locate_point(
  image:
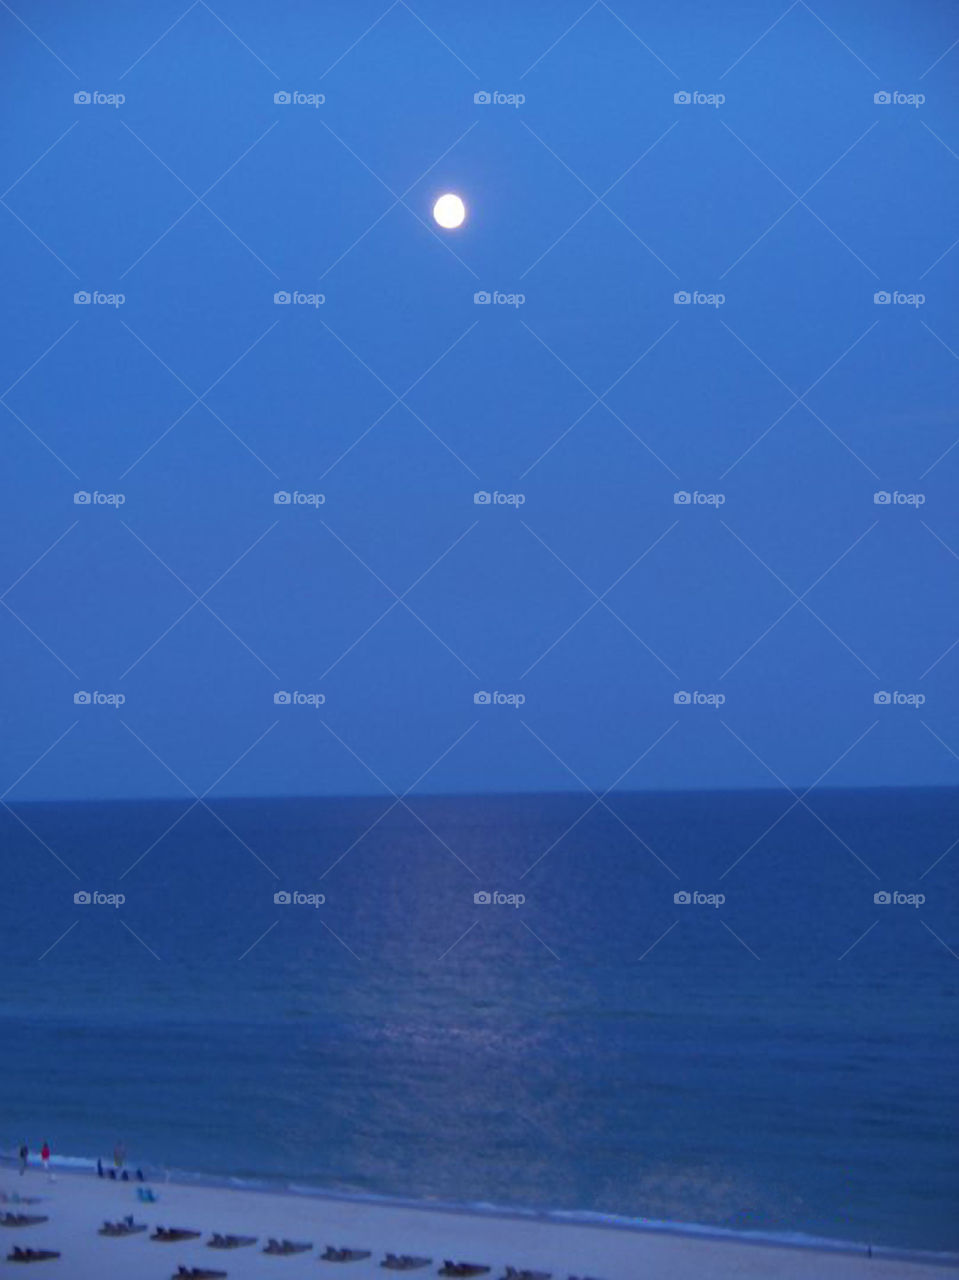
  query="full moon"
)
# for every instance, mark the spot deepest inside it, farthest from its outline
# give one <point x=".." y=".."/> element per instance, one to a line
<point x="449" y="211"/>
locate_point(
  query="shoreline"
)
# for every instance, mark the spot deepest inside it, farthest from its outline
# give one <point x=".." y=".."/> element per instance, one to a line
<point x="221" y="1189"/>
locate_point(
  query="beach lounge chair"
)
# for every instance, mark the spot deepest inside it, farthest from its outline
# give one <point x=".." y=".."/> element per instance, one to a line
<point x="344" y="1255"/>
<point x="462" y="1269"/>
<point x="197" y="1273"/>
<point x="513" y="1274"/>
<point x="219" y="1241"/>
<point x="116" y="1230"/>
<point x="21" y="1219"/>
<point x="283" y="1248"/>
<point x="405" y="1262"/>
<point x="174" y="1235"/>
<point x="31" y="1255"/>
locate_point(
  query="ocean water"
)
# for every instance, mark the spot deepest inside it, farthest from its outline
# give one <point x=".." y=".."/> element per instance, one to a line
<point x="783" y="1061"/>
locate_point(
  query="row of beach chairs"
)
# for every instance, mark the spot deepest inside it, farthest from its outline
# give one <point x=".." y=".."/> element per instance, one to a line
<point x="276" y="1248"/>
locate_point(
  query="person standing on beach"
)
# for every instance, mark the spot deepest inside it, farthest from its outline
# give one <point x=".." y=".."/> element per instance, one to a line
<point x="24" y="1152"/>
<point x="45" y="1155"/>
<point x="119" y="1155"/>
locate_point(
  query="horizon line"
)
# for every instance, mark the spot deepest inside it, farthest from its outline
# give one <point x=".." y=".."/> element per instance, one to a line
<point x="500" y="795"/>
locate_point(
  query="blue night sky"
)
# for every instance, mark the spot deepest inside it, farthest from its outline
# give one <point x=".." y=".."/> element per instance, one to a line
<point x="783" y="387"/>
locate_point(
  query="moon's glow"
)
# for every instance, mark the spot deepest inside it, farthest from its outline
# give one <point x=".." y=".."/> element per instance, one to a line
<point x="449" y="211"/>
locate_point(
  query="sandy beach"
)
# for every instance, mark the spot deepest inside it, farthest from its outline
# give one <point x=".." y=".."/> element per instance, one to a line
<point x="77" y="1205"/>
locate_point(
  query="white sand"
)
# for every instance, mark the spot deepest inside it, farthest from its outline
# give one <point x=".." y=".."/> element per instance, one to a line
<point x="77" y="1205"/>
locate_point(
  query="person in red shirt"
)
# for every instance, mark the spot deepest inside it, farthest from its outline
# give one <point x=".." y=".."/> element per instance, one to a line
<point x="45" y="1155"/>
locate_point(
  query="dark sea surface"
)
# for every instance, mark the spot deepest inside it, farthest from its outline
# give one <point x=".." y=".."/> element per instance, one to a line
<point x="784" y="1062"/>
